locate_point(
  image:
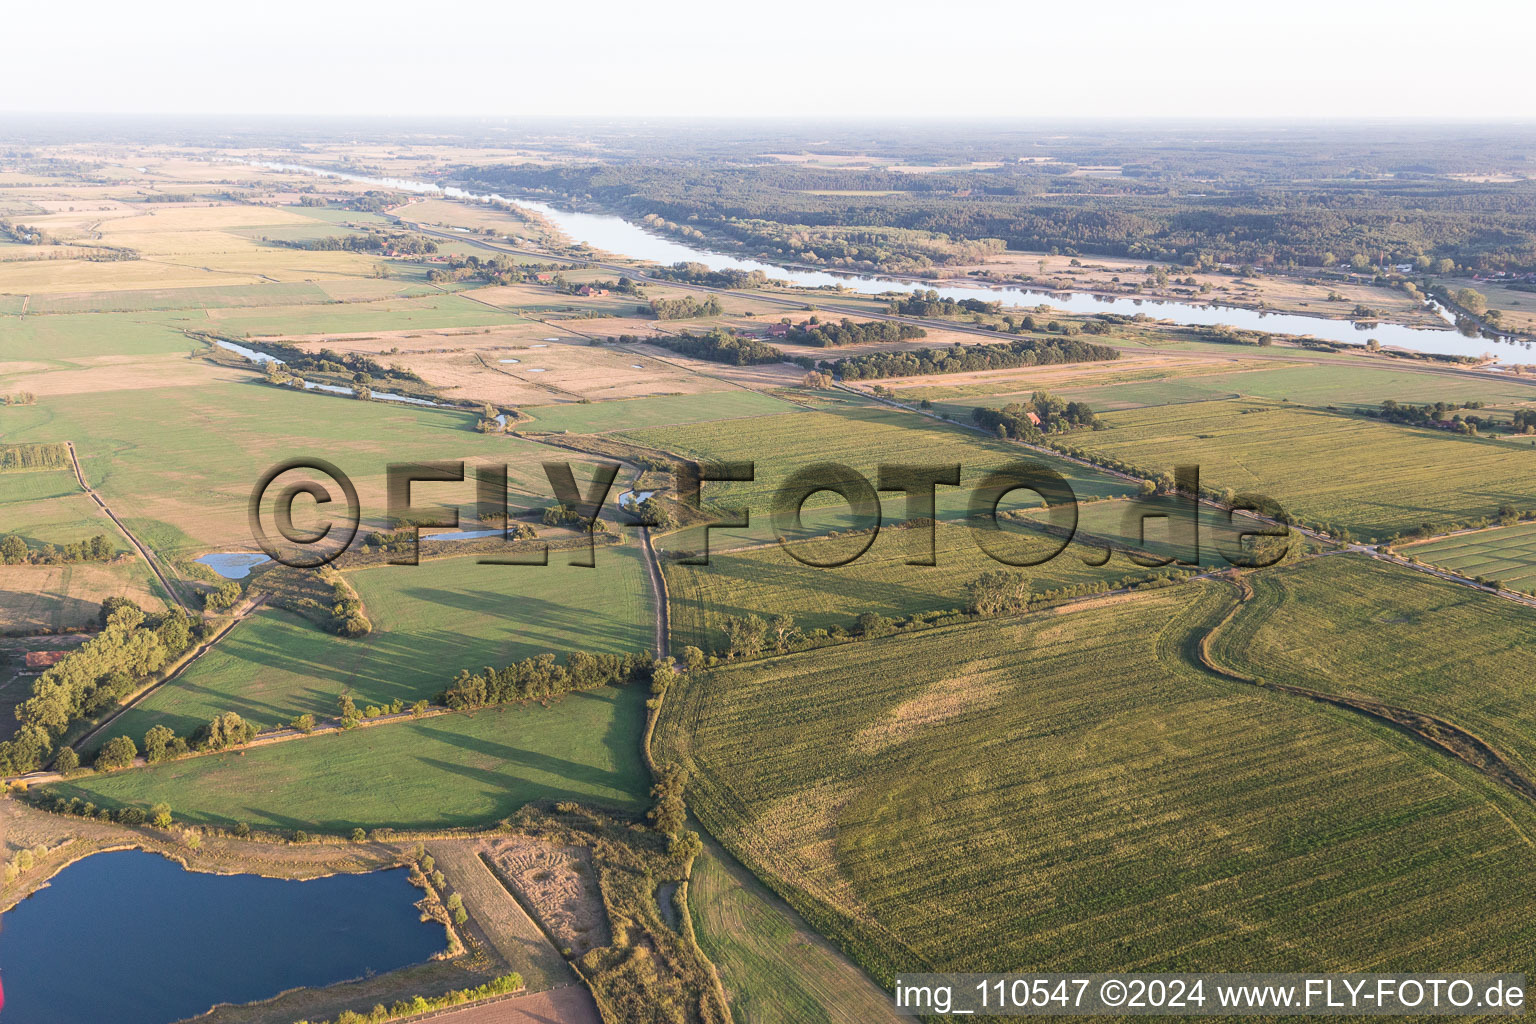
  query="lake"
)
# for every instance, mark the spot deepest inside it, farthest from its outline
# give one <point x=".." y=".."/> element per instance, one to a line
<point x="133" y="938"/>
<point x="621" y="237"/>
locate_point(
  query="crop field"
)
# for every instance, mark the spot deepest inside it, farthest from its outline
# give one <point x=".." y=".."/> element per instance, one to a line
<point x="773" y="967"/>
<point x="442" y="772"/>
<point x="430" y="620"/>
<point x="1158" y="817"/>
<point x="530" y="364"/>
<point x="1506" y="554"/>
<point x="1377" y="479"/>
<point x="765" y="580"/>
<point x="1302" y="383"/>
<point x="859" y="435"/>
<point x="1358" y="627"/>
<point x="52" y="598"/>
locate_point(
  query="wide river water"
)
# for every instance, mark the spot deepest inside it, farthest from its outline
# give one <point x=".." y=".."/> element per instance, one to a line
<point x="621" y="237"/>
<point x="132" y="938"/>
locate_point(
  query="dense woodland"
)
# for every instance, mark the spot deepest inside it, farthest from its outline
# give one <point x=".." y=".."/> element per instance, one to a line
<point x="1308" y="199"/>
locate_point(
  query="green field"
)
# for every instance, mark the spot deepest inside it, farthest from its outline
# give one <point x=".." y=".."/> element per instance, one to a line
<point x="863" y="436"/>
<point x="1506" y="554"/>
<point x="179" y="463"/>
<point x="179" y="298"/>
<point x="1355" y="626"/>
<point x="774" y="968"/>
<point x="1068" y="792"/>
<point x="35" y="485"/>
<point x="767" y="581"/>
<point x="454" y="771"/>
<point x="1377" y="479"/>
<point x="632" y="413"/>
<point x="433" y="311"/>
<point x="59" y="339"/>
<point x="430" y="620"/>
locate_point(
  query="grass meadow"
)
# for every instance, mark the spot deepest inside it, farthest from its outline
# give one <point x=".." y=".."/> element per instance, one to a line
<point x="179" y="462"/>
<point x="430" y="620"/>
<point x="990" y="796"/>
<point x="443" y="772"/>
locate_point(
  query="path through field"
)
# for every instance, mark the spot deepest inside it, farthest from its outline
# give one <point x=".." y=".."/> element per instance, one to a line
<point x="144" y="553"/>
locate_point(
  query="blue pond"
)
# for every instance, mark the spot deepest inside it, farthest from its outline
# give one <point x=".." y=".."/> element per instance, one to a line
<point x="133" y="938"/>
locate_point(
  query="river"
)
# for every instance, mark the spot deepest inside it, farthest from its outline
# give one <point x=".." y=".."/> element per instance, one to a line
<point x="618" y="236"/>
<point x="133" y="938"/>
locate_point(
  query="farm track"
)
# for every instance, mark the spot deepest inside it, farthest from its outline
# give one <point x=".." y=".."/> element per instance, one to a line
<point x="144" y="553"/>
<point x="1436" y="732"/>
<point x="203" y="649"/>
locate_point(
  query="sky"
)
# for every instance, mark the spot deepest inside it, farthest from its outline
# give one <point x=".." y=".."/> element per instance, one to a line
<point x="1022" y="59"/>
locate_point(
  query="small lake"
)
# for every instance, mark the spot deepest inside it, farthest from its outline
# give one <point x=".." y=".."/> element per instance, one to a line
<point x="132" y="938"/>
<point x="629" y="498"/>
<point x="616" y="235"/>
<point x="233" y="565"/>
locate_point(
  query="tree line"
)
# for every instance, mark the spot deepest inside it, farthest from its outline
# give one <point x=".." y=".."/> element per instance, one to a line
<point x="685" y="307"/>
<point x="721" y="346"/>
<point x="542" y="676"/>
<point x="14" y="551"/>
<point x="846" y="332"/>
<point x="97" y="675"/>
<point x="968" y="358"/>
<point x="36" y="455"/>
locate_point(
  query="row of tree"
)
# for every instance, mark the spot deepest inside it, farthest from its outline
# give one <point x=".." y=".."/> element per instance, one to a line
<point x="14" y="551"/>
<point x="542" y="676"/>
<point x="847" y="332"/>
<point x="685" y="307"/>
<point x="721" y="346"/>
<point x="969" y="358"/>
<point x="95" y="676"/>
<point x="37" y="455"/>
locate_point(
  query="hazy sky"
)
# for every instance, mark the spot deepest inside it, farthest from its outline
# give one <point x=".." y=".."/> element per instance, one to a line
<point x="1016" y="59"/>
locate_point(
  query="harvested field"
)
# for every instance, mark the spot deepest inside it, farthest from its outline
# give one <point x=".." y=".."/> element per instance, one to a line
<point x="560" y="886"/>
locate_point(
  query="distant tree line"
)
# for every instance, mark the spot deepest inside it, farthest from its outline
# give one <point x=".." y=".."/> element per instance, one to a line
<point x="14" y="551"/>
<point x="969" y="358"/>
<point x="721" y="346"/>
<point x="411" y="245"/>
<point x="685" y="307"/>
<point x="846" y="332"/>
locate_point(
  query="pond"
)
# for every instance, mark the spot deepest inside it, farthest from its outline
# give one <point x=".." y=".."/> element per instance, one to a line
<point x="616" y="235"/>
<point x="133" y="938"/>
<point x="233" y="565"/>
